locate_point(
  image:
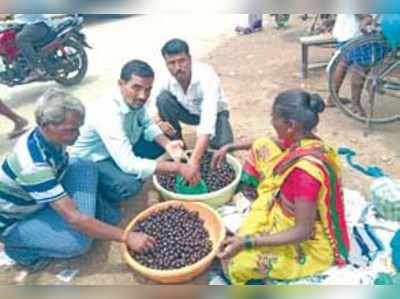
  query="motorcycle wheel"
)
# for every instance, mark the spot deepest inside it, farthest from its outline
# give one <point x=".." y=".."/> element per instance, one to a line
<point x="73" y="64"/>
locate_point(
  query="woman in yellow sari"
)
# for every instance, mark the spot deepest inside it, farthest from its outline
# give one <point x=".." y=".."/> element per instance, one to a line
<point x="296" y="227"/>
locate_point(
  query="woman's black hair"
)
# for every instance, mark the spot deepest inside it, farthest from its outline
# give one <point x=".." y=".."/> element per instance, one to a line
<point x="300" y="106"/>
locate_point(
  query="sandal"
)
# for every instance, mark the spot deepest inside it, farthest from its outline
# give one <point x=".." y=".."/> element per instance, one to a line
<point x="358" y="110"/>
<point x="331" y="104"/>
<point x="23" y="271"/>
<point x="40" y="265"/>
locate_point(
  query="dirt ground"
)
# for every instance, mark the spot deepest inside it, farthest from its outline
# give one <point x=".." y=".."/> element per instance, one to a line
<point x="253" y="69"/>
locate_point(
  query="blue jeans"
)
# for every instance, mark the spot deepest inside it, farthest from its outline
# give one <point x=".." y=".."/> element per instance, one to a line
<point x="46" y="234"/>
<point x="117" y="186"/>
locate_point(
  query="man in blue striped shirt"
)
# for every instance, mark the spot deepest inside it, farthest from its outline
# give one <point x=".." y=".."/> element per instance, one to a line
<point x="49" y="204"/>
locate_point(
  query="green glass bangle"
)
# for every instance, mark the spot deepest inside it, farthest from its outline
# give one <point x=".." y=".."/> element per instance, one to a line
<point x="248" y="242"/>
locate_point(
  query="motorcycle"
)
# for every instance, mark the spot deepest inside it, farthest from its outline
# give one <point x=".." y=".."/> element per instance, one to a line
<point x="62" y="54"/>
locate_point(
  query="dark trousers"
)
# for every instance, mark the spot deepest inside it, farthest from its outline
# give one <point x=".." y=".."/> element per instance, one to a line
<point x="117" y="186"/>
<point x="172" y="111"/>
<point x="27" y="37"/>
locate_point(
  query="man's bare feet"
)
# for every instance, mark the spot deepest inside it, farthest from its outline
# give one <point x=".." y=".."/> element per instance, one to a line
<point x="358" y="109"/>
<point x="20" y="126"/>
<point x="331" y="103"/>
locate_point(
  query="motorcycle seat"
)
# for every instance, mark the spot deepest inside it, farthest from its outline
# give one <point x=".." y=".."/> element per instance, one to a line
<point x="64" y="23"/>
<point x="58" y="28"/>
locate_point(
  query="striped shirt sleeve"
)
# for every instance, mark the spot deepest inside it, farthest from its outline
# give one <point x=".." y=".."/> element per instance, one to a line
<point x="41" y="184"/>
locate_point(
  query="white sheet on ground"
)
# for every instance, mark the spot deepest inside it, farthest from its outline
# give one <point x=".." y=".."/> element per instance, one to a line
<point x="358" y="212"/>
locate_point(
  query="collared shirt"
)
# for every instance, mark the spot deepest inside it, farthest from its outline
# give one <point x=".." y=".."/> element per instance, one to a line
<point x="30" y="178"/>
<point x="111" y="130"/>
<point x="28" y="19"/>
<point x="346" y="27"/>
<point x="204" y="96"/>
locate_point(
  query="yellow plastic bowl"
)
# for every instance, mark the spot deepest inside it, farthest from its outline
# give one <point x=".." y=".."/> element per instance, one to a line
<point x="214" y="199"/>
<point x="212" y="223"/>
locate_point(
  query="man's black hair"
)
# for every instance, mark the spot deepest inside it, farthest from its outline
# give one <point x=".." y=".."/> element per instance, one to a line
<point x="138" y="68"/>
<point x="175" y="46"/>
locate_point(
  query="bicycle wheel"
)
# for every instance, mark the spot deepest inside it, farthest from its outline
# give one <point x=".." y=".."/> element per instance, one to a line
<point x="359" y="72"/>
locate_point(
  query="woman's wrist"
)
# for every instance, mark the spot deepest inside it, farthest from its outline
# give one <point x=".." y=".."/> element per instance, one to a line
<point x="178" y="168"/>
<point x="229" y="147"/>
<point x="256" y="241"/>
<point x="262" y="240"/>
<point x="248" y="242"/>
<point x="124" y="237"/>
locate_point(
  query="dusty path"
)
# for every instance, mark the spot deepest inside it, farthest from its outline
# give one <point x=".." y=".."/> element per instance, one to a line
<point x="253" y="69"/>
<point x="263" y="64"/>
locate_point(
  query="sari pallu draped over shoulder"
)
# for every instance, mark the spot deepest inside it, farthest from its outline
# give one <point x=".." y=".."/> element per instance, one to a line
<point x="268" y="165"/>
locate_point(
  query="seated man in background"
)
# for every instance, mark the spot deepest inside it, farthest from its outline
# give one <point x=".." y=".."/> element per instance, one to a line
<point x="191" y="93"/>
<point x="348" y="27"/>
<point x="36" y="27"/>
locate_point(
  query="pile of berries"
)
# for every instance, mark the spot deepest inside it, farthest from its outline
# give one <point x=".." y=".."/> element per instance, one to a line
<point x="181" y="239"/>
<point x="215" y="179"/>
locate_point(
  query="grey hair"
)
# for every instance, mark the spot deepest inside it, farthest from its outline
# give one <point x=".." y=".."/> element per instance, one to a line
<point x="53" y="105"/>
